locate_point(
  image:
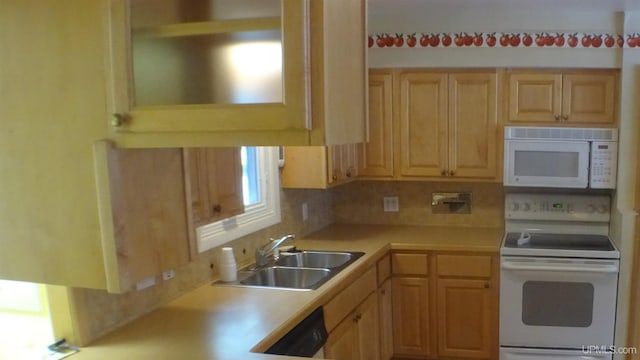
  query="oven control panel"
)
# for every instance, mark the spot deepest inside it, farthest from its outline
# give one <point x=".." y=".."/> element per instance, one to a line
<point x="557" y="207"/>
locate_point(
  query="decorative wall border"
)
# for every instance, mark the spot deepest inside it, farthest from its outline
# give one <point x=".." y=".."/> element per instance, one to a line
<point x="505" y="40"/>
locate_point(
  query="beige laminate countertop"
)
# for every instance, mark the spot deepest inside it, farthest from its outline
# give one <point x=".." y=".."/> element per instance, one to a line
<point x="228" y="322"/>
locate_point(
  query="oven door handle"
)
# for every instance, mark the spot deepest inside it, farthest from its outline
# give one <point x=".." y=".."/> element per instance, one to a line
<point x="594" y="268"/>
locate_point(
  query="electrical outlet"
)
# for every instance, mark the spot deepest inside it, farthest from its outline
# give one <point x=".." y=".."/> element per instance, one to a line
<point x="168" y="275"/>
<point x="305" y="212"/>
<point x="391" y="204"/>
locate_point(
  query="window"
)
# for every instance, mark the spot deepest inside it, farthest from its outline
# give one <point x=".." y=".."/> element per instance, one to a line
<point x="261" y="192"/>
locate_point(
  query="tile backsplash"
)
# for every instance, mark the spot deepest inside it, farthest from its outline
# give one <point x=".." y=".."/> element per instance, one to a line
<point x="101" y="312"/>
<point x="362" y="203"/>
<point x="358" y="203"/>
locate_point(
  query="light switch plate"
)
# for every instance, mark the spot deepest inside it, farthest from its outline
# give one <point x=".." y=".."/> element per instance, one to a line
<point x="391" y="204"/>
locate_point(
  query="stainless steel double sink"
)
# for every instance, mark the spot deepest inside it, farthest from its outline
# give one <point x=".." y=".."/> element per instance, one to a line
<point x="303" y="270"/>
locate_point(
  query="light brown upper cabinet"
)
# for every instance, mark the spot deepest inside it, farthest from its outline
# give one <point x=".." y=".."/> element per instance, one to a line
<point x="580" y="98"/>
<point x="237" y="72"/>
<point x="448" y="125"/>
<point x="376" y="156"/>
<point x="215" y="183"/>
<point x="319" y="167"/>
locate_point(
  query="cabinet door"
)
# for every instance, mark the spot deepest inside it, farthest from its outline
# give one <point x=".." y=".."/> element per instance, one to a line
<point x="465" y="318"/>
<point x="349" y="157"/>
<point x="344" y="341"/>
<point x="225" y="65"/>
<point x="215" y="178"/>
<point x="377" y="153"/>
<point x="148" y="210"/>
<point x="334" y="164"/>
<point x="423" y="124"/>
<point x="411" y="305"/>
<point x="535" y="98"/>
<point x="473" y="125"/>
<point x="385" y="305"/>
<point x="589" y="99"/>
<point x="369" y="329"/>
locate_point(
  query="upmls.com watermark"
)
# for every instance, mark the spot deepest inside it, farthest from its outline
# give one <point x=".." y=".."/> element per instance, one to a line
<point x="608" y="349"/>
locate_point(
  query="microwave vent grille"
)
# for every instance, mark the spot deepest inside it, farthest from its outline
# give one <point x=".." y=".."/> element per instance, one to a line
<point x="542" y="133"/>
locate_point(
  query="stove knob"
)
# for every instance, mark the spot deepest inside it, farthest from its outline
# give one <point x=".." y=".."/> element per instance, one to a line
<point x="526" y="207"/>
<point x="590" y="209"/>
<point x="602" y="209"/>
<point x="514" y="207"/>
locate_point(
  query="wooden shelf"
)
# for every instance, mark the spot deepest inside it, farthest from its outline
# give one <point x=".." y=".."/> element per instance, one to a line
<point x="208" y="27"/>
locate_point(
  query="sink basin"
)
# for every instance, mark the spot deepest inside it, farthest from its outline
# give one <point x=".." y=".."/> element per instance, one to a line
<point x="288" y="277"/>
<point x="318" y="259"/>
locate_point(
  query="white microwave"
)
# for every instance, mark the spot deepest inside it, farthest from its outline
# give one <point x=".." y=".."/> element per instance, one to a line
<point x="560" y="157"/>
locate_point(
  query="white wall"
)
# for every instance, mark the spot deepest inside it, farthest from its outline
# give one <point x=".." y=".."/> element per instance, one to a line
<point x="415" y="16"/>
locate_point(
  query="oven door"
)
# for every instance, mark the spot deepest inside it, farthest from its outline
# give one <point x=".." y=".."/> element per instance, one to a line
<point x="539" y="163"/>
<point x="557" y="303"/>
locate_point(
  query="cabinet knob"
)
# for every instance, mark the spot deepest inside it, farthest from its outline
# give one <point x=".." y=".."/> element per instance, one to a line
<point x="557" y="117"/>
<point x="216" y="208"/>
<point x="357" y="318"/>
<point x="334" y="177"/>
<point x="348" y="173"/>
<point x="565" y="117"/>
<point x="452" y="173"/>
<point x="118" y="119"/>
<point x="444" y="173"/>
<point x="383" y="291"/>
<point x="487" y="285"/>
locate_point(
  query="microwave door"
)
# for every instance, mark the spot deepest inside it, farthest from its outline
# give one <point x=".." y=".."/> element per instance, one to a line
<point x="546" y="163"/>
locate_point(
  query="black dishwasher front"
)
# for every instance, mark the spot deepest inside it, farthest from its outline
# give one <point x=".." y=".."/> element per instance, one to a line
<point x="305" y="339"/>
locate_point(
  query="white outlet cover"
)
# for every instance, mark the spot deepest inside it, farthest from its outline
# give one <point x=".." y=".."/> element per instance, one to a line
<point x="168" y="275"/>
<point x="391" y="204"/>
<point x="143" y="284"/>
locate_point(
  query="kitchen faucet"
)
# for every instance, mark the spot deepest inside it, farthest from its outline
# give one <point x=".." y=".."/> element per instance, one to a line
<point x="264" y="252"/>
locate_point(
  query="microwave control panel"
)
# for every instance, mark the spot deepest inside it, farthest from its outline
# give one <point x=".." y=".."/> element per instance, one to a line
<point x="557" y="207"/>
<point x="604" y="159"/>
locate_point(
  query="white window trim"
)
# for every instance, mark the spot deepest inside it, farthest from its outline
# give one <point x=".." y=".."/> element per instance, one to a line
<point x="255" y="217"/>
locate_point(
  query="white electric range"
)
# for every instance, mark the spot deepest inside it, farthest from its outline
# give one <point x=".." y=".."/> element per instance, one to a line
<point x="558" y="278"/>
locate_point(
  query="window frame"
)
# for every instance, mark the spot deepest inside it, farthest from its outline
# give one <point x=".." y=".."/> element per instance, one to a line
<point x="258" y="216"/>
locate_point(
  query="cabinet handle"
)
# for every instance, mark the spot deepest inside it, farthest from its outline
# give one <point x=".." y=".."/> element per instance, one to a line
<point x="452" y="173"/>
<point x="383" y="291"/>
<point x="444" y="173"/>
<point x="216" y="208"/>
<point x="118" y="119"/>
<point x="348" y="173"/>
<point x="357" y="318"/>
<point x="334" y="177"/>
<point x="486" y="285"/>
<point x="565" y="117"/>
<point x="557" y="117"/>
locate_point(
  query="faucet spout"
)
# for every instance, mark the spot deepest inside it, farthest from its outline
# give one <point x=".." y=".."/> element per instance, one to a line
<point x="265" y="252"/>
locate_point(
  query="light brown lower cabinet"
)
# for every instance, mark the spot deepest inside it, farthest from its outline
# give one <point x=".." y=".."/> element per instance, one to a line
<point x="385" y="304"/>
<point x="445" y="305"/>
<point x="356" y="337"/>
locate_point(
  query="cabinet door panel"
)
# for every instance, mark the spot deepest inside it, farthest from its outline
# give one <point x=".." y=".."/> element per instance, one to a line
<point x="465" y="318"/>
<point x="589" y="98"/>
<point x="199" y="192"/>
<point x="224" y="169"/>
<point x="535" y="98"/>
<point x="377" y="155"/>
<point x="344" y="342"/>
<point x="369" y="328"/>
<point x="411" y="305"/>
<point x="423" y="124"/>
<point x="473" y="125"/>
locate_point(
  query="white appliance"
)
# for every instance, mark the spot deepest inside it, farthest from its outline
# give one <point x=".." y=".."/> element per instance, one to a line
<point x="558" y="278"/>
<point x="560" y="157"/>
